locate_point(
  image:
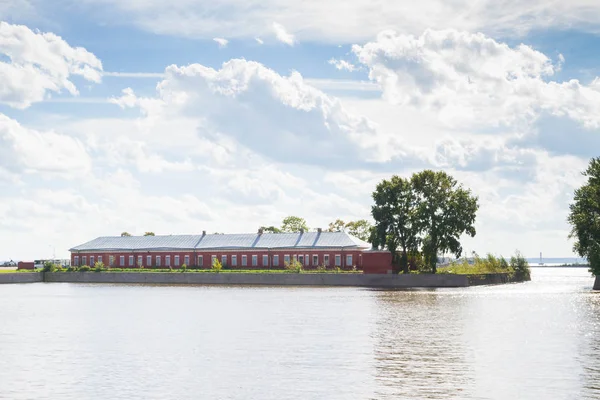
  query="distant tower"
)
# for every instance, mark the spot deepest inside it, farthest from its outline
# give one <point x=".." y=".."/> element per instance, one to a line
<point x="541" y="262"/>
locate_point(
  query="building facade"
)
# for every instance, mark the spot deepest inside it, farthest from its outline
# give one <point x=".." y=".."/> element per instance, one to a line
<point x="235" y="251"/>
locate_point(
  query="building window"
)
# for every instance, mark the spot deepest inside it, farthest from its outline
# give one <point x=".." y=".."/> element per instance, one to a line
<point x="326" y="260"/>
<point x="315" y="260"/>
<point x="140" y="261"/>
<point x="76" y="261"/>
<point x="254" y="260"/>
<point x="276" y="260"/>
<point x="186" y="260"/>
<point x="167" y="261"/>
<point x="286" y="259"/>
<point x="349" y="260"/>
<point x="200" y="261"/>
<point x="177" y="261"/>
<point x="99" y="259"/>
<point x="84" y="259"/>
<point x="91" y="260"/>
<point x="301" y="259"/>
<point x="158" y="261"/>
<point x="307" y="259"/>
<point x="224" y="260"/>
<point x="265" y="260"/>
<point x="212" y="260"/>
<point x="148" y="261"/>
<point x="131" y="261"/>
<point x="338" y="260"/>
<point x="111" y="261"/>
<point x="122" y="261"/>
<point x="244" y="260"/>
<point x="234" y="261"/>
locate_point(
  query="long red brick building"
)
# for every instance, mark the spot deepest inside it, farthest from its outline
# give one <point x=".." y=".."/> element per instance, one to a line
<point x="261" y="250"/>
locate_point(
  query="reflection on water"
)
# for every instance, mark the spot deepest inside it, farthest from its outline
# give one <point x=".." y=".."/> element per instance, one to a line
<point x="536" y="340"/>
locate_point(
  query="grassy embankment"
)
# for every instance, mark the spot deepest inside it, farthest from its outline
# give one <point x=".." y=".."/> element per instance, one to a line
<point x="516" y="266"/>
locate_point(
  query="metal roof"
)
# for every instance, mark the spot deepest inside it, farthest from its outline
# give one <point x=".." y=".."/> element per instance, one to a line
<point x="308" y="240"/>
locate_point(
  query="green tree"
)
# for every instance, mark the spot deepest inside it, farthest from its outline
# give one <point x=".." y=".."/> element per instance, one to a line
<point x="584" y="217"/>
<point x="216" y="265"/>
<point x="337" y="226"/>
<point x="149" y="234"/>
<point x="125" y="234"/>
<point x="294" y="224"/>
<point x="272" y="229"/>
<point x="445" y="211"/>
<point x="395" y="215"/>
<point x="360" y="229"/>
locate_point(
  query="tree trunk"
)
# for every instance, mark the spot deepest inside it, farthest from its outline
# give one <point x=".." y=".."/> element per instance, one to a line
<point x="405" y="261"/>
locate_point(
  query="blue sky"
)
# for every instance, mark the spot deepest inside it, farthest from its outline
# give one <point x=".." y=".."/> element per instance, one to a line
<point x="302" y="111"/>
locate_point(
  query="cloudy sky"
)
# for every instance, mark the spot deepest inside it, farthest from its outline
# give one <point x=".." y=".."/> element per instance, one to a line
<point x="188" y="115"/>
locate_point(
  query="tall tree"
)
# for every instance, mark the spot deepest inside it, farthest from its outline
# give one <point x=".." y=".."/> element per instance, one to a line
<point x="584" y="217"/>
<point x="294" y="224"/>
<point x="360" y="229"/>
<point x="125" y="234"/>
<point x="337" y="226"/>
<point x="395" y="215"/>
<point x="445" y="211"/>
<point x="272" y="229"/>
<point x="149" y="234"/>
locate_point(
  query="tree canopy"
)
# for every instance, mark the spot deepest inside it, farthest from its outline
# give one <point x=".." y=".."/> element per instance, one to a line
<point x="430" y="210"/>
<point x="125" y="234"/>
<point x="149" y="234"/>
<point x="361" y="229"/>
<point x="294" y="224"/>
<point x="272" y="229"/>
<point x="337" y="226"/>
<point x="584" y="217"/>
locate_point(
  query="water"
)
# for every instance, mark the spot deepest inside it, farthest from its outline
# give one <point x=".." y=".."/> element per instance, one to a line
<point x="537" y="340"/>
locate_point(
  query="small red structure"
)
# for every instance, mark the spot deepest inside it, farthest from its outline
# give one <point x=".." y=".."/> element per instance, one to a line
<point x="25" y="265"/>
<point x="376" y="262"/>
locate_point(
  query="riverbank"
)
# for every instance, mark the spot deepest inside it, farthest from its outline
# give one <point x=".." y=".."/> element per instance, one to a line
<point x="267" y="279"/>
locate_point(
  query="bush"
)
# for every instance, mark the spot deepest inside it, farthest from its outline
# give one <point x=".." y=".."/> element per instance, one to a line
<point x="321" y="268"/>
<point x="99" y="266"/>
<point x="520" y="265"/>
<point x="293" y="266"/>
<point x="216" y="265"/>
<point x="84" y="268"/>
<point x="73" y="268"/>
<point x="183" y="267"/>
<point x="51" y="267"/>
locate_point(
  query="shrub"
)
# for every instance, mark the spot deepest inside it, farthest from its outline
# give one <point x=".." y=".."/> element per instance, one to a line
<point x="216" y="265"/>
<point x="293" y="266"/>
<point x="51" y="267"/>
<point x="73" y="268"/>
<point x="99" y="266"/>
<point x="84" y="268"/>
<point x="183" y="267"/>
<point x="520" y="265"/>
<point x="321" y="268"/>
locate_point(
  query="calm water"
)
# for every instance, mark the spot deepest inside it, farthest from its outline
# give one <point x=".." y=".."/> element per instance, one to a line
<point x="538" y="340"/>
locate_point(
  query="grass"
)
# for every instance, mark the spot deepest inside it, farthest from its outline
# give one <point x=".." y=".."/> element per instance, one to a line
<point x="489" y="265"/>
<point x="14" y="271"/>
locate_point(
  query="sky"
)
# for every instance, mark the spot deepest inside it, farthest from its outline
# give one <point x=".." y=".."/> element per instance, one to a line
<point x="189" y="115"/>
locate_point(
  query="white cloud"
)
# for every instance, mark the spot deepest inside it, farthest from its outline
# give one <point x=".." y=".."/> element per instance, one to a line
<point x="221" y="42"/>
<point x="282" y="34"/>
<point x="40" y="63"/>
<point x="342" y="65"/>
<point x="259" y="40"/>
<point x="352" y="21"/>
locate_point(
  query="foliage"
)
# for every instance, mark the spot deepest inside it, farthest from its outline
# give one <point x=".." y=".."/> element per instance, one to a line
<point x="293" y="266"/>
<point x="99" y="266"/>
<point x="149" y="234"/>
<point x="517" y="267"/>
<point x="272" y="229"/>
<point x="337" y="226"/>
<point x="73" y="268"/>
<point x="361" y="229"/>
<point x="395" y="214"/>
<point x="84" y="268"/>
<point x="125" y="234"/>
<point x="520" y="265"/>
<point x="49" y="266"/>
<point x="584" y="217"/>
<point x="294" y="224"/>
<point x="216" y="265"/>
<point x="445" y="211"/>
<point x="183" y="267"/>
<point x="321" y="268"/>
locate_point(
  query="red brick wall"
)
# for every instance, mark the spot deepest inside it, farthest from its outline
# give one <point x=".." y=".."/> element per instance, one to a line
<point x="207" y="258"/>
<point x="377" y="262"/>
<point x="25" y="265"/>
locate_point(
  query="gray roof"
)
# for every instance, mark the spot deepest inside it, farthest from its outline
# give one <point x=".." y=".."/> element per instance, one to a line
<point x="307" y="240"/>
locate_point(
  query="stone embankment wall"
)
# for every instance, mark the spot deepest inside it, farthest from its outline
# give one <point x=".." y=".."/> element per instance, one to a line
<point x="22" y="277"/>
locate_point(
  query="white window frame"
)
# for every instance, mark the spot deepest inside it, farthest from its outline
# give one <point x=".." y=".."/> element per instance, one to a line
<point x="76" y="260"/>
<point x="224" y="260"/>
<point x="212" y="260"/>
<point x="349" y="259"/>
<point x="92" y="260"/>
<point x="301" y="259"/>
<point x="84" y="260"/>
<point x="167" y="261"/>
<point x="286" y="258"/>
<point x="338" y="256"/>
<point x="111" y="261"/>
<point x="131" y="261"/>
<point x="140" y="260"/>
<point x="121" y="261"/>
<point x="234" y="260"/>
<point x="200" y="261"/>
<point x="276" y="260"/>
<point x="265" y="257"/>
<point x="244" y="260"/>
<point x="176" y="262"/>
<point x="158" y="261"/>
<point x="307" y="259"/>
<point x="186" y="260"/>
<point x="315" y="260"/>
<point x="99" y="259"/>
<point x="255" y="260"/>
<point x="148" y="261"/>
<point x="326" y="260"/>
